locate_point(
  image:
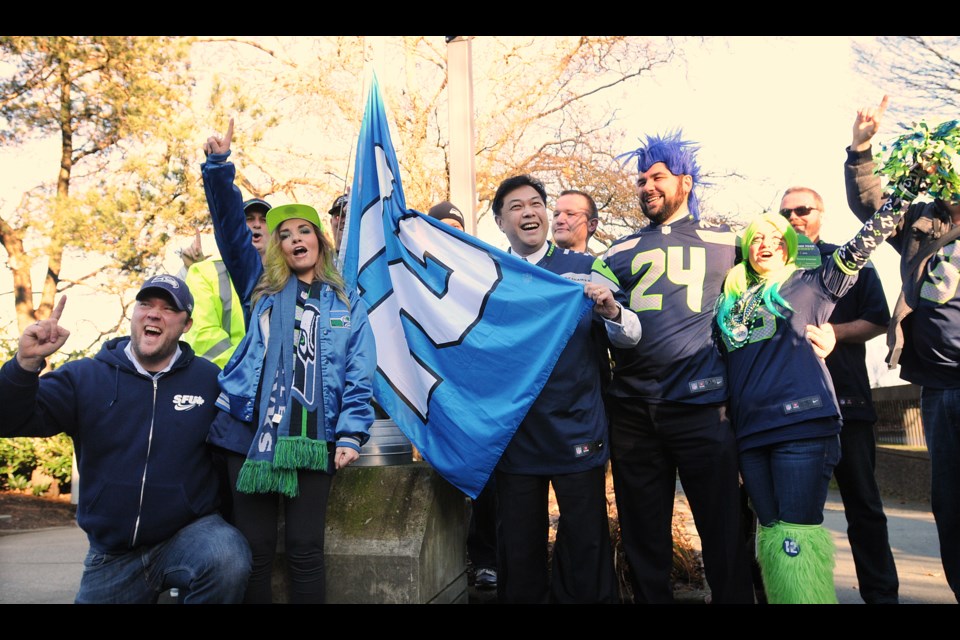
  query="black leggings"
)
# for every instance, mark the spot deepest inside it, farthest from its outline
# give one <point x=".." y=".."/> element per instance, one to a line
<point x="305" y="519"/>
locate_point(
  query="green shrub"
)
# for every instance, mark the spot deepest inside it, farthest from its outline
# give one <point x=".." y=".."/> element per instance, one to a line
<point x="55" y="458"/>
<point x="17" y="483"/>
<point x="20" y="456"/>
<point x="40" y="489"/>
<point x="17" y="457"/>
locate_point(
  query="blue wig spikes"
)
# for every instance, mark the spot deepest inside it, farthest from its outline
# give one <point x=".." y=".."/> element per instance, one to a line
<point x="679" y="155"/>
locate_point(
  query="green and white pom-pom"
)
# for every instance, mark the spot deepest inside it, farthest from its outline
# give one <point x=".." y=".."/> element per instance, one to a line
<point x="936" y="147"/>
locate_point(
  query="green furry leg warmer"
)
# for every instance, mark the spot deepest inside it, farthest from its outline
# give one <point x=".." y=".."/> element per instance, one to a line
<point x="797" y="563"/>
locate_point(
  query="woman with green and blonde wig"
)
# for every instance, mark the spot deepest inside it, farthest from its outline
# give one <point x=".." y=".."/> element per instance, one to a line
<point x="743" y="276"/>
<point x="296" y="396"/>
<point x="783" y="406"/>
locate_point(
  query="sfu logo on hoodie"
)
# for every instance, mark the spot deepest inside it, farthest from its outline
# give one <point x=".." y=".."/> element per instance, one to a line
<point x="184" y="402"/>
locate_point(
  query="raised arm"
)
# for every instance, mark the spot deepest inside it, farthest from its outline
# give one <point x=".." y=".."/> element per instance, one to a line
<point x="853" y="256"/>
<point x="23" y="413"/>
<point x="229" y="222"/>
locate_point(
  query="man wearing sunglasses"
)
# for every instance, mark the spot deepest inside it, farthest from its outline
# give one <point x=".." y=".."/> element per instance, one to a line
<point x="860" y="315"/>
<point x="338" y="217"/>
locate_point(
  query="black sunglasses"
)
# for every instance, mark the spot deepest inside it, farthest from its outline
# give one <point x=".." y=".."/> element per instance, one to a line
<point x="800" y="211"/>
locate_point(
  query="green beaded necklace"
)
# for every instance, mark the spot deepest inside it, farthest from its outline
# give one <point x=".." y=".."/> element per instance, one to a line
<point x="740" y="319"/>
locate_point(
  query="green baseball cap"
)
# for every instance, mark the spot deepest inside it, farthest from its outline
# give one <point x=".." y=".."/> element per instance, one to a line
<point x="278" y="215"/>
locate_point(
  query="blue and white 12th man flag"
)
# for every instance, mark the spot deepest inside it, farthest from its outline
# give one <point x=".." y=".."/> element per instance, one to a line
<point x="466" y="334"/>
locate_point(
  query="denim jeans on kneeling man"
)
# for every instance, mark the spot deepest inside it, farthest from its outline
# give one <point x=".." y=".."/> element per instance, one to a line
<point x="208" y="561"/>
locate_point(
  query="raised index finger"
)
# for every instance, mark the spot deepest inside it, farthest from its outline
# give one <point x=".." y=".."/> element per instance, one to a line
<point x="882" y="107"/>
<point x="58" y="310"/>
<point x="228" y="136"/>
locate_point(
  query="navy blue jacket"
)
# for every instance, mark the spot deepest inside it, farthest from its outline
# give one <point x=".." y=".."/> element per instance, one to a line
<point x="779" y="389"/>
<point x="565" y="430"/>
<point x="145" y="467"/>
<point x="847" y="362"/>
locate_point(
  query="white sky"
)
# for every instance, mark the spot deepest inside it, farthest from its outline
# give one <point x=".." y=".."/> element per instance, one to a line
<point x="777" y="111"/>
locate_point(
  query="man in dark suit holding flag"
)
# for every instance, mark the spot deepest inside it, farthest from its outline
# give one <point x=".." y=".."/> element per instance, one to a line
<point x="563" y="438"/>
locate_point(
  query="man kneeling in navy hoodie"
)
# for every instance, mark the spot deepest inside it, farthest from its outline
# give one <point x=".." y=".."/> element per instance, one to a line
<point x="138" y="414"/>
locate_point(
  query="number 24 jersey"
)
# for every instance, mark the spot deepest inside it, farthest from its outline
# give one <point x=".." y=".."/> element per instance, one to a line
<point x="672" y="275"/>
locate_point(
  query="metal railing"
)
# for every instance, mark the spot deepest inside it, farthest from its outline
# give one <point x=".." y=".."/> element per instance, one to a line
<point x="898" y="415"/>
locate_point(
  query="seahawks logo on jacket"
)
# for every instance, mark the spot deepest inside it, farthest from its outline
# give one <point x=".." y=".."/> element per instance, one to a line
<point x="342" y="322"/>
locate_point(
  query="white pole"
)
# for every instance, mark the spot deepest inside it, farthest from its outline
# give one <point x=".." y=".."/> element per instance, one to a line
<point x="463" y="179"/>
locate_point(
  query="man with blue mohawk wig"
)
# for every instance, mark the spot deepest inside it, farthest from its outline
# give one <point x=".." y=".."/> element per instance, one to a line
<point x="668" y="396"/>
<point x="678" y="157"/>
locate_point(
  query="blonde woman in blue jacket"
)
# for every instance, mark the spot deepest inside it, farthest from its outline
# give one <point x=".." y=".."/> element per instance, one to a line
<point x="296" y="395"/>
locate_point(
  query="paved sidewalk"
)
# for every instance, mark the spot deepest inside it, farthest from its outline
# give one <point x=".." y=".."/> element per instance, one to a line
<point x="915" y="546"/>
<point x="44" y="566"/>
<point x="41" y="566"/>
<point x="913" y="539"/>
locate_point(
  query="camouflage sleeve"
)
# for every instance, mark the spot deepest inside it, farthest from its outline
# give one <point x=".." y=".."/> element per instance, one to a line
<point x="854" y="255"/>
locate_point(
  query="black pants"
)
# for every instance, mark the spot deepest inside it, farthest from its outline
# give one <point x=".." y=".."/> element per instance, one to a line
<point x="650" y="445"/>
<point x="582" y="569"/>
<point x="482" y="531"/>
<point x="863" y="507"/>
<point x="255" y="515"/>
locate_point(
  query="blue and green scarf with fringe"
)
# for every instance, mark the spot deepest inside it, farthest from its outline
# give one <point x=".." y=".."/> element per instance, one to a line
<point x="291" y="435"/>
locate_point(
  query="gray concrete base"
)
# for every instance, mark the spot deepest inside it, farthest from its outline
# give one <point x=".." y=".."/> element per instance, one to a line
<point x="903" y="473"/>
<point x="395" y="535"/>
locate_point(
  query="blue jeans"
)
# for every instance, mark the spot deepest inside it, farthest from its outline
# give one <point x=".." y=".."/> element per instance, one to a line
<point x="788" y="481"/>
<point x="941" y="427"/>
<point x="208" y="560"/>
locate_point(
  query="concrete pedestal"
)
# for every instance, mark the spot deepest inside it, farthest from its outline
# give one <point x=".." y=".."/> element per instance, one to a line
<point x="395" y="535"/>
<point x="903" y="473"/>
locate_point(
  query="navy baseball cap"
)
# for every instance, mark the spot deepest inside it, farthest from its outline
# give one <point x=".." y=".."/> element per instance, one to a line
<point x="339" y="206"/>
<point x="256" y="203"/>
<point x="173" y="286"/>
<point x="446" y="210"/>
